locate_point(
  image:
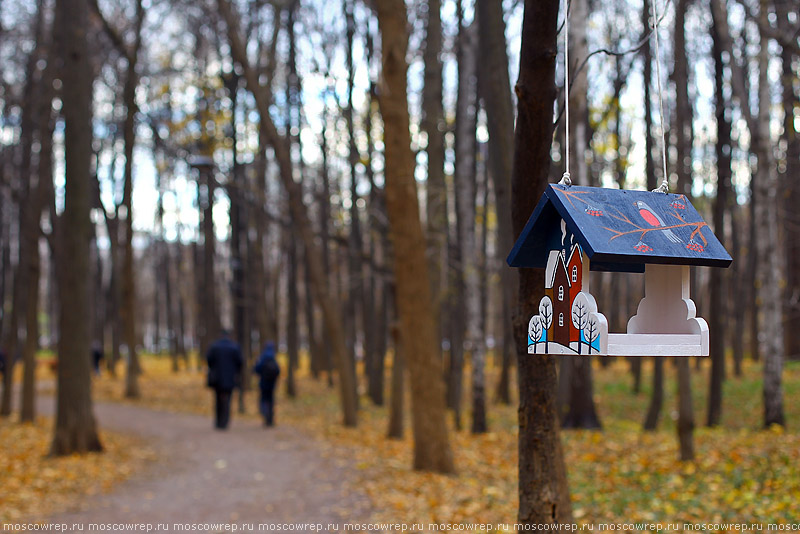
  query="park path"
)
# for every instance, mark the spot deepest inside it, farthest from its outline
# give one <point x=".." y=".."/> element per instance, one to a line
<point x="245" y="475"/>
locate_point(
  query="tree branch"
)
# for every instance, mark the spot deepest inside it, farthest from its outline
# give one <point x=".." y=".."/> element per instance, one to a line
<point x="113" y="34"/>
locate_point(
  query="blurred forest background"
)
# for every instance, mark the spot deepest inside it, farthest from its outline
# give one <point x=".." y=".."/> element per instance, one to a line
<point x="345" y="178"/>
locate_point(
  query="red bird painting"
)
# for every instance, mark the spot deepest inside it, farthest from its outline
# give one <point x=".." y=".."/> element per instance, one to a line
<point x="653" y="219"/>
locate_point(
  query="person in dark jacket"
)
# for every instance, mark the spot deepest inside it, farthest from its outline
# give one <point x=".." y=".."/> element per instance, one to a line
<point x="268" y="371"/>
<point x="224" y="366"/>
<point x="97" y="357"/>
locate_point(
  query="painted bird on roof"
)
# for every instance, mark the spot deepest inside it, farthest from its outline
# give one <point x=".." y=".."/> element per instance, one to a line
<point x="653" y="219"/>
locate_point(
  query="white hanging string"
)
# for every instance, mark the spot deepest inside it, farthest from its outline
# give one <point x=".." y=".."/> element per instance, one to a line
<point x="664" y="187"/>
<point x="565" y="179"/>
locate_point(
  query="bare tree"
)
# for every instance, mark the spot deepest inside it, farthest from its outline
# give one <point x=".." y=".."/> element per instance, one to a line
<point x="414" y="304"/>
<point x="543" y="489"/>
<point x="718" y="312"/>
<point x="433" y="124"/>
<point x="75" y="429"/>
<point x="465" y="186"/>
<point x="495" y="89"/>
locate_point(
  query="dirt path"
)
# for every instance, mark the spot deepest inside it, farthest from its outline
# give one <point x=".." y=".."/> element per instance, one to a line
<point x="245" y="475"/>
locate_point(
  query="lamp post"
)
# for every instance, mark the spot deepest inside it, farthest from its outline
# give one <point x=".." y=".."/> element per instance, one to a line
<point x="208" y="322"/>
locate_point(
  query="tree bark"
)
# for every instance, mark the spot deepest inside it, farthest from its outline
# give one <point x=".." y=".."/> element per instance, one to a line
<point x="657" y="396"/>
<point x="377" y="245"/>
<point x="414" y="304"/>
<point x="543" y="489"/>
<point x="209" y="311"/>
<point x="357" y="298"/>
<point x="128" y="303"/>
<point x="433" y="124"/>
<point x="31" y="230"/>
<point x="396" y="406"/>
<point x="495" y="89"/>
<point x="789" y="183"/>
<point x="75" y="428"/>
<point x="683" y="145"/>
<point x="465" y="191"/>
<point x="325" y="220"/>
<point x="685" y="414"/>
<point x="718" y="293"/>
<point x="647" y="59"/>
<point x="26" y="192"/>
<point x="292" y="318"/>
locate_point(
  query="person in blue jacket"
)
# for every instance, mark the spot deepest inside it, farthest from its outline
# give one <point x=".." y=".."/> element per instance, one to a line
<point x="268" y="371"/>
<point x="224" y="368"/>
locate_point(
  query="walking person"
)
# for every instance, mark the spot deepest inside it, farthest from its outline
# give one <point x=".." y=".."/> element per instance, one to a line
<point x="268" y="371"/>
<point x="97" y="357"/>
<point x="224" y="368"/>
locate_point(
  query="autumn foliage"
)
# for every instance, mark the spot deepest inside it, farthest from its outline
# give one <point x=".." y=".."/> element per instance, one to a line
<point x="620" y="474"/>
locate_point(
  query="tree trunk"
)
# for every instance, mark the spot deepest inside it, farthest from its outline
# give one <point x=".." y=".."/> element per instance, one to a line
<point x="581" y="412"/>
<point x="325" y="221"/>
<point x="293" y="317"/>
<point x="657" y="396"/>
<point x="465" y="177"/>
<point x="377" y="245"/>
<point x="238" y="212"/>
<point x="27" y="187"/>
<point x="718" y="293"/>
<point x="770" y="249"/>
<point x="737" y="281"/>
<point x="31" y="234"/>
<point x="113" y="296"/>
<point x="208" y="290"/>
<point x="647" y="59"/>
<point x="457" y="327"/>
<point x="495" y="89"/>
<point x="396" y="406"/>
<point x="169" y="301"/>
<point x="31" y="230"/>
<point x="27" y="412"/>
<point x="419" y="337"/>
<point x="543" y="490"/>
<point x="75" y="429"/>
<point x="258" y="227"/>
<point x="358" y="306"/>
<point x="789" y="184"/>
<point x="685" y="414"/>
<point x="683" y="146"/>
<point x="128" y="303"/>
<point x="433" y="124"/>
<point x="333" y="325"/>
<point x="5" y="259"/>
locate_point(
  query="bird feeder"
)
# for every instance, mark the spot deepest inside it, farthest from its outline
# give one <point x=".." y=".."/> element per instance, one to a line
<point x="574" y="230"/>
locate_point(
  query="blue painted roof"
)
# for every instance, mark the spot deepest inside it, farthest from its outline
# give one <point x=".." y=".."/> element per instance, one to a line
<point x="620" y="230"/>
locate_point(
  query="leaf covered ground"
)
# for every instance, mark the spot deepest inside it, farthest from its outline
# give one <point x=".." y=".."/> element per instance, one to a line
<point x="742" y="473"/>
<point x="34" y="485"/>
